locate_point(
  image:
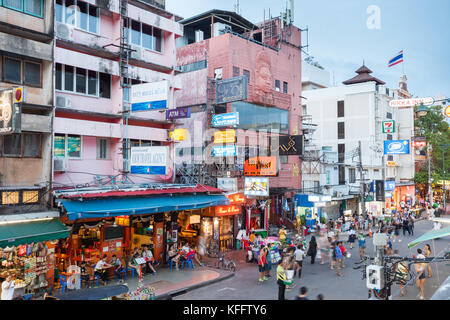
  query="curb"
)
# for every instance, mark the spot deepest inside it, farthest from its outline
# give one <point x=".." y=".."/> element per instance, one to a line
<point x="169" y="295"/>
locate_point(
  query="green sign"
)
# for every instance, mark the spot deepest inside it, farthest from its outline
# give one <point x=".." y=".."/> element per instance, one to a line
<point x="389" y="126"/>
<point x="74" y="146"/>
<point x="60" y="146"/>
<point x="369" y="198"/>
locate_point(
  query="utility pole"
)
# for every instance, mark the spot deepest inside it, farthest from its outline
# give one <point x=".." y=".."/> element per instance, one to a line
<point x="430" y="190"/>
<point x="361" y="175"/>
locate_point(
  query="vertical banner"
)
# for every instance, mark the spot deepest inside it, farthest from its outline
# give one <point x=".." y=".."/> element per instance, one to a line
<point x="379" y="190"/>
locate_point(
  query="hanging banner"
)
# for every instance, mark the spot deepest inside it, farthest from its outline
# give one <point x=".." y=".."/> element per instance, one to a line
<point x="261" y="166"/>
<point x="150" y="96"/>
<point x="379" y="190"/>
<point x="149" y="160"/>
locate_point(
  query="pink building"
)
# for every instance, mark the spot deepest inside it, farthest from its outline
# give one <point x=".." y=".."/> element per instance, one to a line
<point x="219" y="45"/>
<point x="90" y="128"/>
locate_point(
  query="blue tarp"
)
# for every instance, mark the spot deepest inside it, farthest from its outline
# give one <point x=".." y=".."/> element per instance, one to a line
<point x="111" y="207"/>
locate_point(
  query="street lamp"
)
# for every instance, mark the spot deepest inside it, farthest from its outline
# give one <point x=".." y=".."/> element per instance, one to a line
<point x="422" y="111"/>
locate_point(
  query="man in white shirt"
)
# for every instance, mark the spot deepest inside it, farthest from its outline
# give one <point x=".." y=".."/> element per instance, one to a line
<point x="100" y="269"/>
<point x="299" y="254"/>
<point x="8" y="288"/>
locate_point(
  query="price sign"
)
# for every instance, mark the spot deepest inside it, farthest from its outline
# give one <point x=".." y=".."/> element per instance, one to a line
<point x="389" y="126"/>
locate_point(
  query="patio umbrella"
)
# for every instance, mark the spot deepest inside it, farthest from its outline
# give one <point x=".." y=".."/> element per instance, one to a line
<point x="430" y="235"/>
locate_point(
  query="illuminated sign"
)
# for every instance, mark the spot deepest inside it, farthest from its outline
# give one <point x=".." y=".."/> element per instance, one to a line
<point x="236" y="198"/>
<point x="447" y="112"/>
<point x="419" y="144"/>
<point x="256" y="187"/>
<point x="225" y="119"/>
<point x="261" y="166"/>
<point x="396" y="147"/>
<point x="179" y="113"/>
<point x="389" y="126"/>
<point x="224" y="151"/>
<point x="122" y="221"/>
<point x="411" y="102"/>
<point x="178" y="134"/>
<point x="227" y="136"/>
<point x="391" y="163"/>
<point x="227" y="210"/>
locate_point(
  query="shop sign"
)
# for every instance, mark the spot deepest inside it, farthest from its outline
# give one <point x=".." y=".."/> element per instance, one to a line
<point x="227" y="136"/>
<point x="447" y="112"/>
<point x="122" y="221"/>
<point x="256" y="187"/>
<point x="411" y="102"/>
<point x="178" y="113"/>
<point x="178" y="134"/>
<point x="291" y="145"/>
<point x="194" y="219"/>
<point x="224" y="151"/>
<point x="150" y="96"/>
<point x="227" y="184"/>
<point x="389" y="185"/>
<point x="391" y="163"/>
<point x="149" y="160"/>
<point x="419" y="144"/>
<point x="10" y="113"/>
<point x="227" y="210"/>
<point x="389" y="126"/>
<point x="388" y="195"/>
<point x="236" y="198"/>
<point x="396" y="147"/>
<point x="233" y="89"/>
<point x="261" y="166"/>
<point x="225" y="119"/>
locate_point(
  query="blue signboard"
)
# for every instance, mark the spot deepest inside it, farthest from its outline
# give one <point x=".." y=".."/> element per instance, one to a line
<point x="389" y="186"/>
<point x="396" y="147"/>
<point x="178" y="113"/>
<point x="224" y="151"/>
<point x="225" y="119"/>
<point x="388" y="195"/>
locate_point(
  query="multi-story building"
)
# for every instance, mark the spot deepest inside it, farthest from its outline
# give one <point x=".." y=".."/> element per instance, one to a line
<point x="220" y="45"/>
<point x="94" y="129"/>
<point x="351" y="115"/>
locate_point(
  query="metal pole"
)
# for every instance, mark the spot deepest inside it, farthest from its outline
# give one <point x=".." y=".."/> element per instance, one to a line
<point x="444" y="147"/>
<point x="363" y="199"/>
<point x="430" y="191"/>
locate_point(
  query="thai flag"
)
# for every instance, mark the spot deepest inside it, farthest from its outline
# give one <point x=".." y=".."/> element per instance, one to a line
<point x="397" y="59"/>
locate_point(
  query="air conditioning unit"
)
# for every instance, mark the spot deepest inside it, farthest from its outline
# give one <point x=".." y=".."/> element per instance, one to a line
<point x="63" y="101"/>
<point x="199" y="35"/>
<point x="136" y="52"/>
<point x="59" y="165"/>
<point x="64" y="31"/>
<point x="221" y="28"/>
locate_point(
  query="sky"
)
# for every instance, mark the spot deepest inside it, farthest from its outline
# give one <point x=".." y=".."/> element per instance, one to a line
<point x="344" y="33"/>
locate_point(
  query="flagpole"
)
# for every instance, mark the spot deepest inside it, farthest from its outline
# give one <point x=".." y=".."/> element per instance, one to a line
<point x="403" y="64"/>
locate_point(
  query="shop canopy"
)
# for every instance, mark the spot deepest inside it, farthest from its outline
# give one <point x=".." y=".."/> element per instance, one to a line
<point x="430" y="235"/>
<point x="99" y="208"/>
<point x="14" y="234"/>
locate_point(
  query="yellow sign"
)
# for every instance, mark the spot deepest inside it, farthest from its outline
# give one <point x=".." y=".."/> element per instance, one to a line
<point x="227" y="136"/>
<point x="447" y="111"/>
<point x="391" y="163"/>
<point x="178" y="134"/>
<point x="18" y="94"/>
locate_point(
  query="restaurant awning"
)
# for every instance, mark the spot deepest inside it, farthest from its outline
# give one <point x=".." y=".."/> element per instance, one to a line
<point x="430" y="235"/>
<point x="99" y="208"/>
<point x="14" y="234"/>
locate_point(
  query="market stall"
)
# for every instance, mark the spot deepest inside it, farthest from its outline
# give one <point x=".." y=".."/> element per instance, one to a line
<point x="27" y="252"/>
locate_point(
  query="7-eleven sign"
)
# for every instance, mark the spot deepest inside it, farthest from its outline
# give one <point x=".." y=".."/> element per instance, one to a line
<point x="389" y="126"/>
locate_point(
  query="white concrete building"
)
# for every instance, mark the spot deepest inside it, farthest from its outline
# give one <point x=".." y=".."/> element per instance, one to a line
<point x="351" y="113"/>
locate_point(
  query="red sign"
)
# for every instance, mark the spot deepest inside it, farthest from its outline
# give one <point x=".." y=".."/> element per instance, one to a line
<point x="261" y="166"/>
<point x="236" y="198"/>
<point x="123" y="221"/>
<point x="419" y="144"/>
<point x="227" y="210"/>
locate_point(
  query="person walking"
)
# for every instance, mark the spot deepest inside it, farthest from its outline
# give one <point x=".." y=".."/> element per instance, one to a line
<point x="339" y="258"/>
<point x="421" y="277"/>
<point x="362" y="245"/>
<point x="427" y="253"/>
<point x="312" y="249"/>
<point x="351" y="236"/>
<point x="411" y="224"/>
<point x="405" y="225"/>
<point x="281" y="278"/>
<point x="268" y="265"/>
<point x="322" y="245"/>
<point x="261" y="265"/>
<point x="299" y="254"/>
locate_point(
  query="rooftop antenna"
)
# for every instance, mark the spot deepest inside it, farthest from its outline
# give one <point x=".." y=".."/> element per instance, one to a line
<point x="237" y="9"/>
<point x="291" y="12"/>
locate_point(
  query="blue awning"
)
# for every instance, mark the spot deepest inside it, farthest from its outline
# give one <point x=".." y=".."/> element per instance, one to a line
<point x="99" y="208"/>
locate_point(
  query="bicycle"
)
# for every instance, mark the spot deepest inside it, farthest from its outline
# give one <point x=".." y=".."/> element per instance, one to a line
<point x="226" y="264"/>
<point x="212" y="250"/>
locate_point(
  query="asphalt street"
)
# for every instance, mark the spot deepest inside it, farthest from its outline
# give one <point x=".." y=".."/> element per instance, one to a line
<point x="320" y="278"/>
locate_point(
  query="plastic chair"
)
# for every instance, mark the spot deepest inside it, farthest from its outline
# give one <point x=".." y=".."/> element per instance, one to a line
<point x="189" y="262"/>
<point x="124" y="272"/>
<point x="171" y="264"/>
<point x="28" y="296"/>
<point x="62" y="283"/>
<point x="132" y="271"/>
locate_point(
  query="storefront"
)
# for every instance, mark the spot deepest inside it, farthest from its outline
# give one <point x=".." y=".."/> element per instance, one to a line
<point x="118" y="221"/>
<point x="28" y="253"/>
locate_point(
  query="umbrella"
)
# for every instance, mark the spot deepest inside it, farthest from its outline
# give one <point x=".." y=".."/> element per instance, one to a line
<point x="430" y="235"/>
